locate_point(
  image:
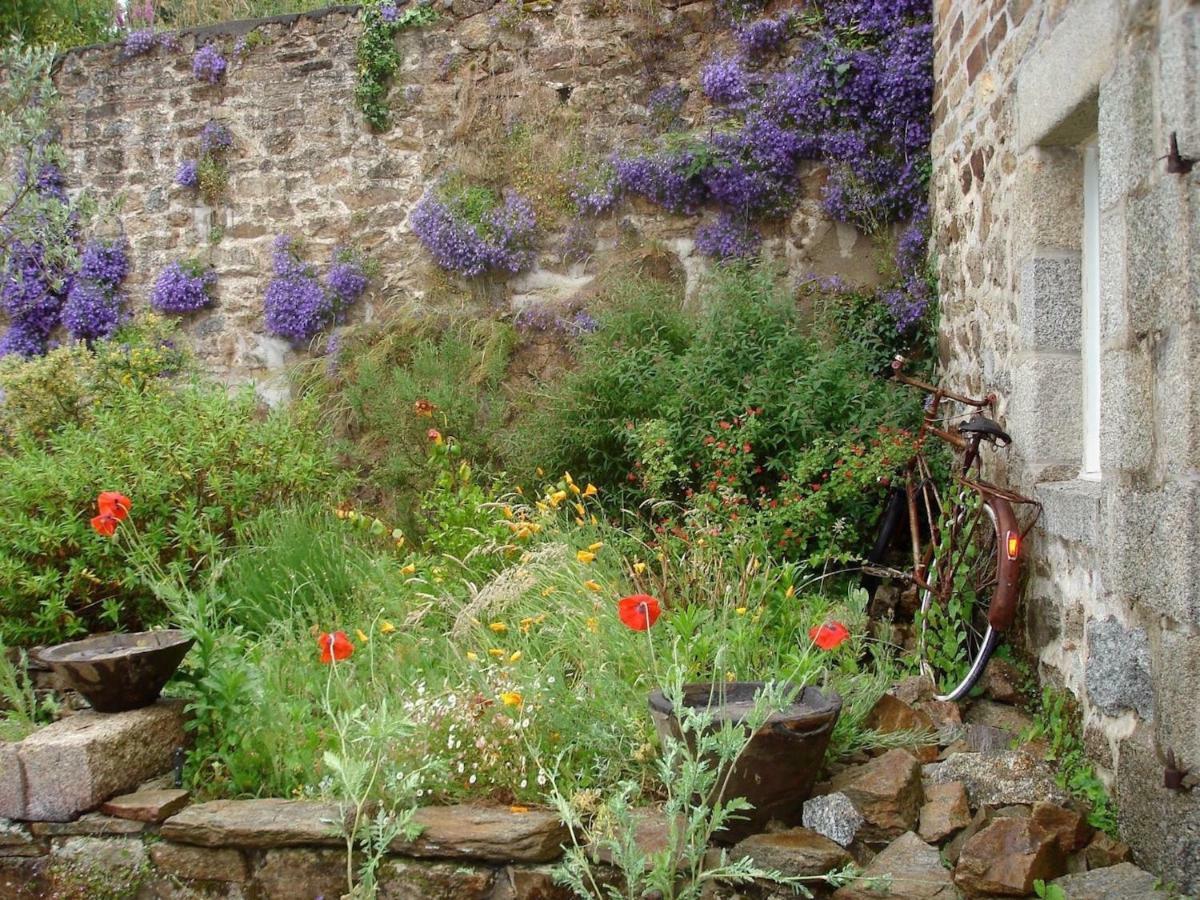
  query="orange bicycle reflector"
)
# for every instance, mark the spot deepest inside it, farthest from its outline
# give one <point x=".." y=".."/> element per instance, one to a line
<point x="1014" y="544"/>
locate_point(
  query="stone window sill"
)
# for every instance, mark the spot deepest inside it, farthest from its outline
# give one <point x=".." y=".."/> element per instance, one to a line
<point x="1071" y="509"/>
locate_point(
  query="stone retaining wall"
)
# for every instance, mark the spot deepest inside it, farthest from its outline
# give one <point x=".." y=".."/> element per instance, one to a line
<point x="1113" y="604"/>
<point x="303" y="162"/>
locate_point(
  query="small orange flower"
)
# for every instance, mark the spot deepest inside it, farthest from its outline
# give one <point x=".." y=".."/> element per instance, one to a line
<point x="105" y="524"/>
<point x="828" y="635"/>
<point x="423" y="408"/>
<point x="435" y="437"/>
<point x="638" y="611"/>
<point x="114" y="503"/>
<point x="335" y="646"/>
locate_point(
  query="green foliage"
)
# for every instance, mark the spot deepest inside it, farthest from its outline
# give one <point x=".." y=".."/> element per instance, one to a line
<point x="379" y="58"/>
<point x="200" y="465"/>
<point x="23" y="711"/>
<point x="1048" y="891"/>
<point x="1057" y="721"/>
<point x="370" y="391"/>
<point x="212" y="178"/>
<point x="748" y="355"/>
<point x="65" y="23"/>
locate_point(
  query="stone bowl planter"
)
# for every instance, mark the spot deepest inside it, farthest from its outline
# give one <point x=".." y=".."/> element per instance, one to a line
<point x="778" y="769"/>
<point x="116" y="672"/>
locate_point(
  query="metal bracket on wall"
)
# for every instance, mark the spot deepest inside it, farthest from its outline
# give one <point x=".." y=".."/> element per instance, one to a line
<point x="1176" y="164"/>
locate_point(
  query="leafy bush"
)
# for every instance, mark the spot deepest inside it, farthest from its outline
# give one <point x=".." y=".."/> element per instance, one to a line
<point x="201" y="466"/>
<point x="748" y="361"/>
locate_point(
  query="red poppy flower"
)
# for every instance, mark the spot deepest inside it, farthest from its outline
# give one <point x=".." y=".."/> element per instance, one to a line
<point x="114" y="503"/>
<point x="334" y="646"/>
<point x="105" y="524"/>
<point x="828" y="635"/>
<point x="423" y="408"/>
<point x="638" y="611"/>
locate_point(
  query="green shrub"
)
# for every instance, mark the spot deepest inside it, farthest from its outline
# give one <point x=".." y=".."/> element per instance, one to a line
<point x="748" y="361"/>
<point x="200" y="465"/>
<point x="370" y="394"/>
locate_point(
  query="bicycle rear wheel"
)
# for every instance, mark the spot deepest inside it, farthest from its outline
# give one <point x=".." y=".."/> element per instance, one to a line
<point x="956" y="638"/>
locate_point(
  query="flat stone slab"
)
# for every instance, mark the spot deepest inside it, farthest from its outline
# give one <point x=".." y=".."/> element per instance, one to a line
<point x="147" y="806"/>
<point x="89" y="825"/>
<point x="797" y="852"/>
<point x="915" y="870"/>
<point x="1126" y="881"/>
<point x="77" y="763"/>
<point x="257" y="824"/>
<point x="493" y="833"/>
<point x="999" y="778"/>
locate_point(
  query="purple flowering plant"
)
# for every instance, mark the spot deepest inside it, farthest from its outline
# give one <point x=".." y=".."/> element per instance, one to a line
<point x="468" y="229"/>
<point x="184" y="286"/>
<point x="296" y="306"/>
<point x="208" y="64"/>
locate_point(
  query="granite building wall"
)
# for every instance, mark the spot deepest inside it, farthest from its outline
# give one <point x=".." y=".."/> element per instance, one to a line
<point x="1112" y="607"/>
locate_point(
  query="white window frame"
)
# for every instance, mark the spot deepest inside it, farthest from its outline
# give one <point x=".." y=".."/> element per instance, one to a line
<point x="1090" y="339"/>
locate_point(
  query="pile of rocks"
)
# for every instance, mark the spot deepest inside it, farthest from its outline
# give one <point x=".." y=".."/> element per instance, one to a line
<point x="965" y="814"/>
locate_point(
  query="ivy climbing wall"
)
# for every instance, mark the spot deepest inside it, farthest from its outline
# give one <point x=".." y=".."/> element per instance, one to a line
<point x="500" y="94"/>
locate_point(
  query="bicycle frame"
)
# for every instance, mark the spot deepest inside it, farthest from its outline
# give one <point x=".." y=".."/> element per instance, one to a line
<point x="918" y="480"/>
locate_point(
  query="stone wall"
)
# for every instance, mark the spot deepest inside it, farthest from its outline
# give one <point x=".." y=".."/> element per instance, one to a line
<point x="1112" y="607"/>
<point x="304" y="163"/>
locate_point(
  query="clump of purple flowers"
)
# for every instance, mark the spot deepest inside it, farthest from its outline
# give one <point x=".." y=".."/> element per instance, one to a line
<point x="728" y="238"/>
<point x="105" y="263"/>
<point x="756" y="39"/>
<point x="215" y="137"/>
<point x="138" y="43"/>
<point x="544" y="318"/>
<point x="188" y="174"/>
<point x="723" y="80"/>
<point x="908" y="299"/>
<point x="296" y="306"/>
<point x="208" y="64"/>
<point x="665" y="103"/>
<point x="468" y="231"/>
<point x="594" y="192"/>
<point x="183" y="287"/>
<point x="91" y="311"/>
<point x="34" y="286"/>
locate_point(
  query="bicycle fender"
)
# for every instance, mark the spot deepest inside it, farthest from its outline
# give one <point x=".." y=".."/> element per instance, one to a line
<point x="1003" y="608"/>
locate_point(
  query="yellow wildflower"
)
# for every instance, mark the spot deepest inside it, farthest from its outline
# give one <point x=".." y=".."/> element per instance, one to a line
<point x="585" y="556"/>
<point x="540" y="471"/>
<point x="574" y="488"/>
<point x="557" y="497"/>
<point x="386" y="627"/>
<point x="741" y="610"/>
<point x="790" y="592"/>
<point x="516" y="656"/>
<point x="579" y="520"/>
<point x="496" y="652"/>
<point x="498" y="627"/>
<point x="567" y="478"/>
<point x="507" y="512"/>
<point x="579" y="509"/>
<point x="361" y="635"/>
<point x="730" y="676"/>
<point x="511" y="698"/>
<point x="594" y="521"/>
<point x="592" y="586"/>
<point x="410" y="569"/>
<point x="593" y="624"/>
<point x="639" y="567"/>
<point x="520" y="490"/>
<point x="596" y="546"/>
<point x="547" y="591"/>
<point x="472" y="656"/>
<point x="591" y="490"/>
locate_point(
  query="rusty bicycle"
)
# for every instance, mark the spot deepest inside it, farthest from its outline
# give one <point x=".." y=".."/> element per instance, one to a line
<point x="966" y="550"/>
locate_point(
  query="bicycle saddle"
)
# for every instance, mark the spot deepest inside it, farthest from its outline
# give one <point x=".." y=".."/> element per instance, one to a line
<point x="985" y="427"/>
